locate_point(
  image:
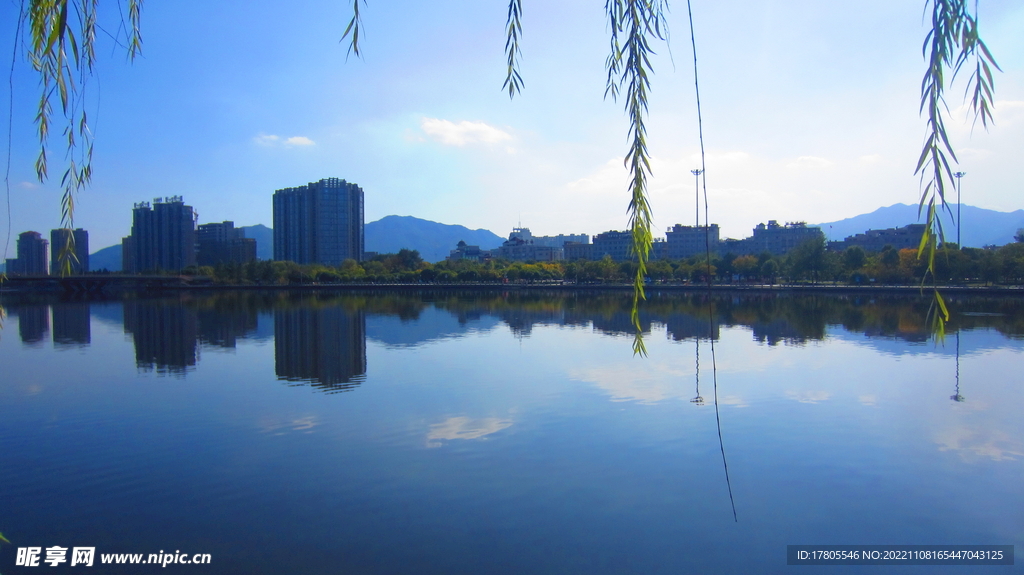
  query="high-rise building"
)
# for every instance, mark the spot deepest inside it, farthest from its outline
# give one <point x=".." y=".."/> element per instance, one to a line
<point x="79" y="258"/>
<point x="321" y="222"/>
<point x="31" y="258"/>
<point x="224" y="243"/>
<point x="163" y="236"/>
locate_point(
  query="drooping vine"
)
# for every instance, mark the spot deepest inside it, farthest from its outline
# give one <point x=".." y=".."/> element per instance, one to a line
<point x="634" y="24"/>
<point x="62" y="41"/>
<point x="952" y="43"/>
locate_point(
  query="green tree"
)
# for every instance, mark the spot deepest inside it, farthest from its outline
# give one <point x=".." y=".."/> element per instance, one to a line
<point x="854" y="258"/>
<point x="808" y="260"/>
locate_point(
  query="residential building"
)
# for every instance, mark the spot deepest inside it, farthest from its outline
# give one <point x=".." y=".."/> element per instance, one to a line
<point x="875" y="240"/>
<point x="578" y="251"/>
<point x="224" y="243"/>
<point x="79" y="259"/>
<point x="464" y="251"/>
<point x="774" y="238"/>
<point x="518" y="249"/>
<point x="687" y="241"/>
<point x="321" y="222"/>
<point x="163" y="236"/>
<point x="32" y="251"/>
<point x="550" y="241"/>
<point x="618" y="245"/>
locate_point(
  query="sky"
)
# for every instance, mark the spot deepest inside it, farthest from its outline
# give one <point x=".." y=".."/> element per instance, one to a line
<point x="810" y="113"/>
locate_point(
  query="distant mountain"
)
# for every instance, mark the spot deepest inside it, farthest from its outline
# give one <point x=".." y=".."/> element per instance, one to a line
<point x="980" y="227"/>
<point x="433" y="240"/>
<point x="264" y="237"/>
<point x="108" y="258"/>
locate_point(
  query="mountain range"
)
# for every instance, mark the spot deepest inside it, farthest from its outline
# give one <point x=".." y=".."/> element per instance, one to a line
<point x="435" y="240"/>
<point x="980" y="227"/>
<point x="389" y="234"/>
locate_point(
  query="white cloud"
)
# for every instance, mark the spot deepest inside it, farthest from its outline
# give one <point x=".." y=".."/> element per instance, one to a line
<point x="464" y="428"/>
<point x="274" y="140"/>
<point x="651" y="384"/>
<point x="810" y="162"/>
<point x="462" y="133"/>
<point x="809" y="396"/>
<point x="972" y="153"/>
<point x="299" y="141"/>
<point x="979" y="442"/>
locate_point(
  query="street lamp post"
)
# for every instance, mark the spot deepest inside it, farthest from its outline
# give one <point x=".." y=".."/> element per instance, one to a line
<point x="958" y="175"/>
<point x="696" y="193"/>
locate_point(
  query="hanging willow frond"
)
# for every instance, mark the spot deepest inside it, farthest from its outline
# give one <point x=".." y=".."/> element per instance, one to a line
<point x="514" y="29"/>
<point x="952" y="42"/>
<point x="62" y="40"/>
<point x="352" y="30"/>
<point x="633" y="24"/>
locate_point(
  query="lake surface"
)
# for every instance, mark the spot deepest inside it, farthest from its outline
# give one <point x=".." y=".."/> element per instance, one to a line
<point x="510" y="432"/>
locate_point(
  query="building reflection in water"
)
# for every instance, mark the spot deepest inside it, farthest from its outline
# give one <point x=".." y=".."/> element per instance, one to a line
<point x="33" y="323"/>
<point x="224" y="327"/>
<point x="165" y="333"/>
<point x="71" y="324"/>
<point x="324" y="347"/>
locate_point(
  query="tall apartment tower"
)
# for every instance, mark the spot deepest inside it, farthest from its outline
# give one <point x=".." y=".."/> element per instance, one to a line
<point x="59" y="239"/>
<point x="31" y="258"/>
<point x="163" y="236"/>
<point x="321" y="222"/>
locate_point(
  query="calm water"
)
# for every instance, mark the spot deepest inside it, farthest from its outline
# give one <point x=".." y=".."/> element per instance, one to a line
<point x="505" y="433"/>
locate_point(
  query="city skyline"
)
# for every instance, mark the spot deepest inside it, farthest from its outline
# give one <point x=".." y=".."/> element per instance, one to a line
<point x="811" y="113"/>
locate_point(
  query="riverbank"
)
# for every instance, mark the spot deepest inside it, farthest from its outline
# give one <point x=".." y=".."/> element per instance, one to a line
<point x="100" y="284"/>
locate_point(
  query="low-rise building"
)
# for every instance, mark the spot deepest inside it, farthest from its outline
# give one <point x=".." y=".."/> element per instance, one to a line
<point x="875" y="240"/>
<point x="518" y="249"/>
<point x="464" y="251"/>
<point x="687" y="241"/>
<point x="773" y="238"/>
<point x="578" y="251"/>
<point x="618" y="245"/>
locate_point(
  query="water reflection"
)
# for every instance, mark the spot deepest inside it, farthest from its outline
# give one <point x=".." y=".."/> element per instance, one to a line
<point x="461" y="448"/>
<point x="320" y="339"/>
<point x="320" y="342"/>
<point x="33" y="322"/>
<point x="165" y="333"/>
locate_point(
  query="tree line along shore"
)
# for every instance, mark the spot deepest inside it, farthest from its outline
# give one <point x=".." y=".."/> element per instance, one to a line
<point x="809" y="263"/>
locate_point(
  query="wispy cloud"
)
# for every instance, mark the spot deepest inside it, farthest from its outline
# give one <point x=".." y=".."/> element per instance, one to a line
<point x="269" y="140"/>
<point x="809" y="162"/>
<point x="465" y="132"/>
<point x="464" y="428"/>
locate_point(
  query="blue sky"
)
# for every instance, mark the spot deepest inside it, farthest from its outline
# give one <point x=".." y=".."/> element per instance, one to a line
<point x="810" y="113"/>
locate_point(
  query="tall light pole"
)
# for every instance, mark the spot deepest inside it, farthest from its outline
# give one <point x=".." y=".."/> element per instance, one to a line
<point x="958" y="175"/>
<point x="696" y="189"/>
